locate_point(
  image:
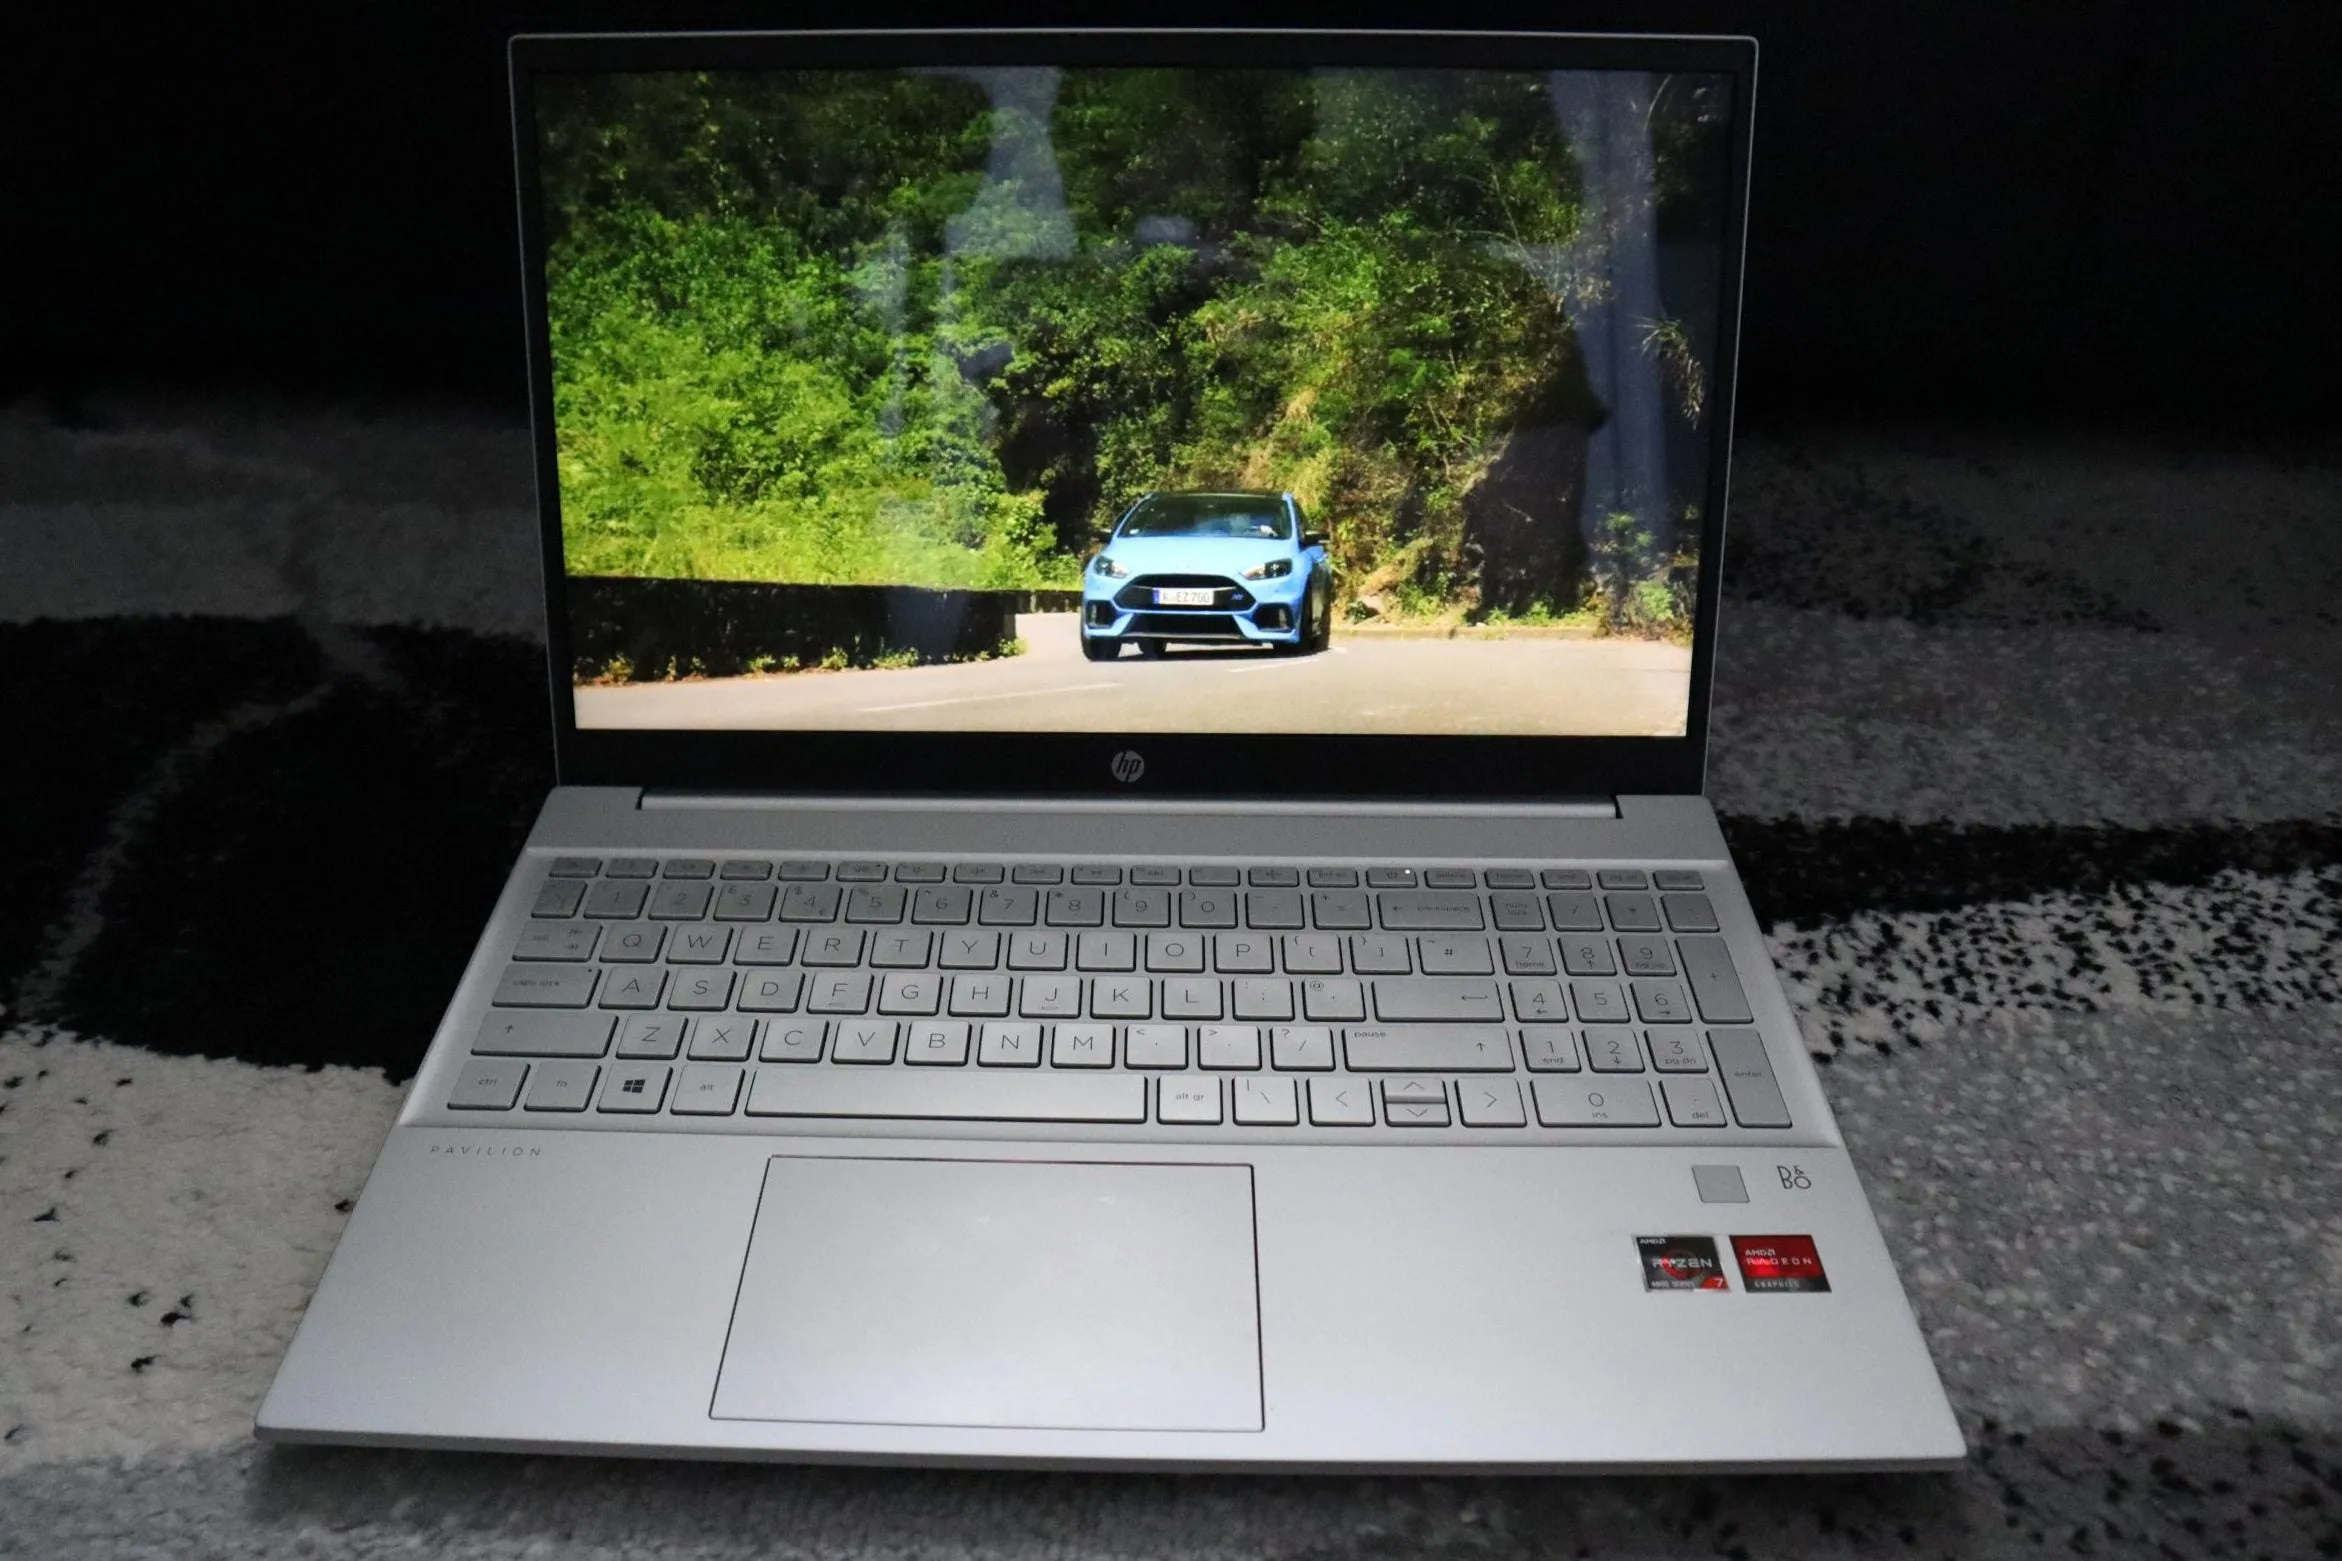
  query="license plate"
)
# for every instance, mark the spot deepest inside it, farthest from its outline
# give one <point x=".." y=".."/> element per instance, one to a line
<point x="1183" y="596"/>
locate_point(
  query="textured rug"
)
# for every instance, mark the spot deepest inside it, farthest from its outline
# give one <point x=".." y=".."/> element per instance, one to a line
<point x="2028" y="752"/>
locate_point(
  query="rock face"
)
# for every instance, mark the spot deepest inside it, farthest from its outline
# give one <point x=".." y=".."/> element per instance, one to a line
<point x="1521" y="520"/>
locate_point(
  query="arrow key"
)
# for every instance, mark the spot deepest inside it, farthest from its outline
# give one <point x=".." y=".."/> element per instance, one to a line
<point x="1489" y="1103"/>
<point x="1341" y="1103"/>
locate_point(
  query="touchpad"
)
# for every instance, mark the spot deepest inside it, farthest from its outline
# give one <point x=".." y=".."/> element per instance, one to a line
<point x="1042" y="1294"/>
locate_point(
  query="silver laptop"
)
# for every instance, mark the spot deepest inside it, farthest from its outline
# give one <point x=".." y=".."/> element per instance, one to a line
<point x="1131" y="619"/>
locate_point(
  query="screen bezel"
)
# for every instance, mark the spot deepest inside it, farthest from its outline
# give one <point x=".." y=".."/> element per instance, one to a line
<point x="1340" y="765"/>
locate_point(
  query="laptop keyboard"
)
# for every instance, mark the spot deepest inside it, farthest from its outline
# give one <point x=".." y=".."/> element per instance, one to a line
<point x="1432" y="1002"/>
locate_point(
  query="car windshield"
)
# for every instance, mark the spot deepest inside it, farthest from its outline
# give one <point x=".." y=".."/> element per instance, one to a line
<point x="1249" y="516"/>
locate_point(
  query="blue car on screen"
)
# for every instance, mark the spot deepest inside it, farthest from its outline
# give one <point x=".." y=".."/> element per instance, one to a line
<point x="1208" y="568"/>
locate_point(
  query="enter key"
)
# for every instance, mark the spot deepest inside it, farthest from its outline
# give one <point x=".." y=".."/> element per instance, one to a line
<point x="1432" y="998"/>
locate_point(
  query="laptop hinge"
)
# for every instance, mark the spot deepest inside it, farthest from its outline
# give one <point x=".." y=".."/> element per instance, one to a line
<point x="1250" y="807"/>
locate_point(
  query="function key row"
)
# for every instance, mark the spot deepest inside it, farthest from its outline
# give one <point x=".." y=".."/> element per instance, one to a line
<point x="740" y="869"/>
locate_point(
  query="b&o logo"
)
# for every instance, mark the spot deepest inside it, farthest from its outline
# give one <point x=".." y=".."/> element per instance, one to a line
<point x="1128" y="766"/>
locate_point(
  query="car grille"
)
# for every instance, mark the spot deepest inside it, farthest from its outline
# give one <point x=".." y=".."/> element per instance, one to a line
<point x="1227" y="595"/>
<point x="1192" y="624"/>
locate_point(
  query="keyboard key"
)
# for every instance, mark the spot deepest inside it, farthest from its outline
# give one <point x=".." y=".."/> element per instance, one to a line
<point x="866" y="1041"/>
<point x="1128" y="998"/>
<point x="688" y="867"/>
<point x="979" y="997"/>
<point x="1207" y="908"/>
<point x="707" y="1089"/>
<point x="1646" y="954"/>
<point x="794" y="1041"/>
<point x="1509" y="878"/>
<point x="1176" y="952"/>
<point x="899" y="950"/>
<point x="1632" y="912"/>
<point x="771" y="991"/>
<point x="1748" y="1078"/>
<point x="1457" y="1048"/>
<point x="837" y="947"/>
<point x="567" y="941"/>
<point x="612" y="901"/>
<point x="1302" y="1048"/>
<point x="1566" y="878"/>
<point x="1188" y="1102"/>
<point x="1243" y="954"/>
<point x="1429" y="910"/>
<point x="558" y="897"/>
<point x="938" y="1044"/>
<point x="1155" y="877"/>
<point x="1138" y="907"/>
<point x="700" y="989"/>
<point x="765" y="946"/>
<point x="1341" y="1103"/>
<point x="1154" y="1046"/>
<point x="652" y="1037"/>
<point x="635" y="945"/>
<point x="1189" y="997"/>
<point x="1333" y="878"/>
<point x="1689" y="912"/>
<point x="837" y="992"/>
<point x="700" y="946"/>
<point x="1676" y="1051"/>
<point x="1266" y="1102"/>
<point x="1390" y="878"/>
<point x="1097" y="873"/>
<point x="1338" y="910"/>
<point x="1678" y="878"/>
<point x="545" y="986"/>
<point x="631" y="867"/>
<point x="1227" y="1046"/>
<point x="1075" y="908"/>
<point x="1613" y="1049"/>
<point x="1414" y="1113"/>
<point x="972" y="1097"/>
<point x="1050" y="997"/>
<point x="1660" y="1002"/>
<point x="1326" y="999"/>
<point x="1380" y="956"/>
<point x="1034" y="872"/>
<point x="1539" y="1002"/>
<point x="724" y="1038"/>
<point x="1454" y="956"/>
<point x="635" y="1088"/>
<point x="562" y="1086"/>
<point x="811" y="902"/>
<point x="804" y="872"/>
<point x="1414" y="1091"/>
<point x="487" y="1086"/>
<point x="916" y="992"/>
<point x="1526" y="956"/>
<point x="1548" y="1050"/>
<point x="633" y="988"/>
<point x="969" y="951"/>
<point x="1012" y="1046"/>
<point x="861" y="872"/>
<point x="1622" y="878"/>
<point x="743" y="870"/>
<point x="1432" y="997"/>
<point x="681" y="901"/>
<point x="1599" y="1002"/>
<point x="1516" y="912"/>
<point x="919" y="872"/>
<point x="1215" y="877"/>
<point x="1257" y="997"/>
<point x="1274" y="909"/>
<point x="1273" y="878"/>
<point x="876" y="903"/>
<point x="1008" y="907"/>
<point x="1715" y="985"/>
<point x="1082" y="1046"/>
<point x="1106" y="951"/>
<point x="1582" y="956"/>
<point x="1489" y="1103"/>
<point x="1312" y="954"/>
<point x="574" y="867"/>
<point x="1450" y="878"/>
<point x="1692" y="1103"/>
<point x="745" y="902"/>
<point x="1574" y="912"/>
<point x="1595" y="1103"/>
<point x="943" y="907"/>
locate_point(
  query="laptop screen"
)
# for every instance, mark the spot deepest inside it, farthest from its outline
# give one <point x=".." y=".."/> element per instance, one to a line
<point x="1118" y="399"/>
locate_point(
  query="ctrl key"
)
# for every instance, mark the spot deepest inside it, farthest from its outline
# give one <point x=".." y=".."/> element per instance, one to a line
<point x="487" y="1084"/>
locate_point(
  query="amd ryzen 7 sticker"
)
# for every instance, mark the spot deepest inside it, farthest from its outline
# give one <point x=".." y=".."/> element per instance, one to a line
<point x="1681" y="1263"/>
<point x="1779" y="1263"/>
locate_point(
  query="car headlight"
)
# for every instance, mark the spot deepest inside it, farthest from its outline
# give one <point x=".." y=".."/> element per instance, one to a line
<point x="1108" y="568"/>
<point x="1274" y="569"/>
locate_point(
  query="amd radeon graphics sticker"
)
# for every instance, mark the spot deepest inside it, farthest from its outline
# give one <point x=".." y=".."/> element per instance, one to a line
<point x="1779" y="1263"/>
<point x="1681" y="1263"/>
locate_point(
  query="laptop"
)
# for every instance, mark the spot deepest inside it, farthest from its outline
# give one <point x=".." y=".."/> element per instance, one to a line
<point x="1131" y="619"/>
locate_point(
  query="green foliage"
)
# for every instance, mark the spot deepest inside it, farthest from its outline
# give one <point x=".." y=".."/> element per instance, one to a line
<point x="803" y="330"/>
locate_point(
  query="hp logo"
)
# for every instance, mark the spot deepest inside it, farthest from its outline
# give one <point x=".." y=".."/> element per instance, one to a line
<point x="1128" y="766"/>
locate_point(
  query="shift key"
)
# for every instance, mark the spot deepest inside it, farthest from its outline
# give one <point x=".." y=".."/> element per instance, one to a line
<point x="1715" y="985"/>
<point x="543" y="1035"/>
<point x="1438" y="999"/>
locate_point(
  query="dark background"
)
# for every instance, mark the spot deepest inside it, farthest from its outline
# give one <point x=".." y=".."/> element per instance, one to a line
<point x="2096" y="213"/>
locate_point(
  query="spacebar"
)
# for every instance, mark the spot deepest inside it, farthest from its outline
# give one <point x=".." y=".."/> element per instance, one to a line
<point x="961" y="1097"/>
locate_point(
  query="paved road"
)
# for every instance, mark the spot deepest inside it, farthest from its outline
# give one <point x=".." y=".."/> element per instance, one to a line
<point x="1453" y="687"/>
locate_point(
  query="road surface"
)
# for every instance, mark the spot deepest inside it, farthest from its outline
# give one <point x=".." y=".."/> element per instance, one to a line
<point x="1461" y="687"/>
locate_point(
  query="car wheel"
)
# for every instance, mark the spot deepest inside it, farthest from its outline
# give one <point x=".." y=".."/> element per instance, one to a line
<point x="1317" y="617"/>
<point x="1152" y="650"/>
<point x="1099" y="647"/>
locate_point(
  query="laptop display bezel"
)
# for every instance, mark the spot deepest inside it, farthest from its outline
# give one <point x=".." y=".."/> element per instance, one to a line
<point x="1344" y="765"/>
